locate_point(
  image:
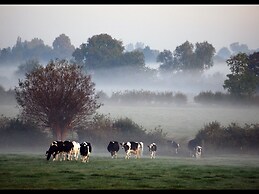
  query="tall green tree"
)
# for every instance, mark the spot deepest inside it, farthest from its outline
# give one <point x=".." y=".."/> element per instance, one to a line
<point x="243" y="79"/>
<point x="80" y="54"/>
<point x="134" y="60"/>
<point x="59" y="96"/>
<point x="204" y="53"/>
<point x="166" y="60"/>
<point x="184" y="56"/>
<point x="102" y="52"/>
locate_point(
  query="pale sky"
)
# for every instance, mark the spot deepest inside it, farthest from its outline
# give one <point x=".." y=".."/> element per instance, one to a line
<point x="158" y="26"/>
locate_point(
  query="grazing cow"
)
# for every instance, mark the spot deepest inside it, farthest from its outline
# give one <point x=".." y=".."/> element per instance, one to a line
<point x="175" y="146"/>
<point x="132" y="147"/>
<point x="194" y="148"/>
<point x="68" y="147"/>
<point x="55" y="149"/>
<point x="85" y="151"/>
<point x="64" y="150"/>
<point x="113" y="148"/>
<point x="152" y="148"/>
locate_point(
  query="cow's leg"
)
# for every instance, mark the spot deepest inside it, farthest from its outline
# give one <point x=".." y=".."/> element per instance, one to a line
<point x="69" y="155"/>
<point x="137" y="154"/>
<point x="83" y="158"/>
<point x="116" y="156"/>
<point x="113" y="154"/>
<point x="54" y="156"/>
<point x="127" y="155"/>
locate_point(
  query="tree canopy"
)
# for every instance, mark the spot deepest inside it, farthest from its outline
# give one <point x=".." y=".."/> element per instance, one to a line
<point x="186" y="57"/>
<point x="104" y="52"/>
<point x="243" y="80"/>
<point x="59" y="96"/>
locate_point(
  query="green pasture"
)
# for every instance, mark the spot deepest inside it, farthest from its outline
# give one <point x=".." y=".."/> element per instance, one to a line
<point x="32" y="171"/>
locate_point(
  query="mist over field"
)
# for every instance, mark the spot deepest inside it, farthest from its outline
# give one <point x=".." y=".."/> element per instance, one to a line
<point x="178" y="121"/>
<point x="8" y="79"/>
<point x="188" y="83"/>
<point x="159" y="78"/>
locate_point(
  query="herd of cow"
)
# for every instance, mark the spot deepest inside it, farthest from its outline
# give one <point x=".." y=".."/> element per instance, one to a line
<point x="72" y="150"/>
<point x="69" y="150"/>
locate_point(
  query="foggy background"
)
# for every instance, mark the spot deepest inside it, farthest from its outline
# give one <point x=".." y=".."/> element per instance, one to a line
<point x="160" y="27"/>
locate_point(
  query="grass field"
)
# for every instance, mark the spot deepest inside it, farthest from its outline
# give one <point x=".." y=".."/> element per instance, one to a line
<point x="20" y="171"/>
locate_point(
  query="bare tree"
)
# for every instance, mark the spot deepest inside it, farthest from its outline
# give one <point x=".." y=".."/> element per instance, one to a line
<point x="59" y="96"/>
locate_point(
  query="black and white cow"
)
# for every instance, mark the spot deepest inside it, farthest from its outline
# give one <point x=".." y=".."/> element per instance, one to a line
<point x="113" y="147"/>
<point x="63" y="150"/>
<point x="85" y="151"/>
<point x="55" y="150"/>
<point x="175" y="146"/>
<point x="195" y="148"/>
<point x="68" y="147"/>
<point x="152" y="148"/>
<point x="132" y="147"/>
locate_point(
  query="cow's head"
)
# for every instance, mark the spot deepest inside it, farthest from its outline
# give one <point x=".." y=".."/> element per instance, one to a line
<point x="198" y="151"/>
<point x="125" y="146"/>
<point x="48" y="154"/>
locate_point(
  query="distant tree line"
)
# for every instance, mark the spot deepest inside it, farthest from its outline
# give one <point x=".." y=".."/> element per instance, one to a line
<point x="105" y="57"/>
<point x="220" y="98"/>
<point x="36" y="50"/>
<point x="234" y="48"/>
<point x="150" y="98"/>
<point x="104" y="52"/>
<point x="144" y="97"/>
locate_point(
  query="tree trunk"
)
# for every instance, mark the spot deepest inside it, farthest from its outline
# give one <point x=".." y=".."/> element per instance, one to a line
<point x="59" y="134"/>
<point x="64" y="133"/>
